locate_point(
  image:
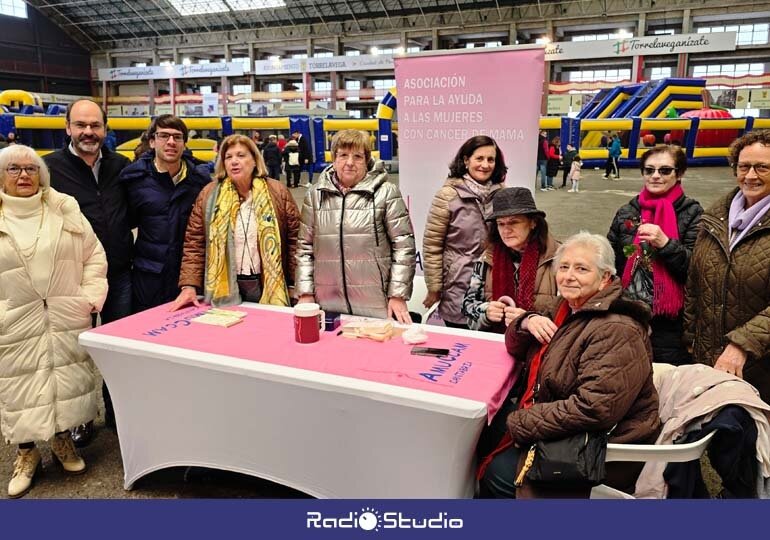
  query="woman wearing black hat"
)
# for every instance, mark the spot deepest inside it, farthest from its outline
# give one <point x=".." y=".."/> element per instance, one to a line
<point x="514" y="272"/>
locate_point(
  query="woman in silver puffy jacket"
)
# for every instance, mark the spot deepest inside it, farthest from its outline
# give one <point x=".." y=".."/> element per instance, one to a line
<point x="356" y="248"/>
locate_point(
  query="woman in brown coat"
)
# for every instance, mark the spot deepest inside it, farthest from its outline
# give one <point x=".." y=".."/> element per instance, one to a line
<point x="589" y="368"/>
<point x="242" y="234"/>
<point x="727" y="304"/>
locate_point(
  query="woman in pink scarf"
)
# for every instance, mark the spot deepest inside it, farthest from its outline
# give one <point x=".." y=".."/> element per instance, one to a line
<point x="653" y="237"/>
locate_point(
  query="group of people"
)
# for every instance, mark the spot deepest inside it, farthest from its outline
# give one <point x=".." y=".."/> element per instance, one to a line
<point x="292" y="156"/>
<point x="576" y="315"/>
<point x="550" y="160"/>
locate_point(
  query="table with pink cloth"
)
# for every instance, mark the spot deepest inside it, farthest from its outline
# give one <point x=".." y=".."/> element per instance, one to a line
<point x="342" y="418"/>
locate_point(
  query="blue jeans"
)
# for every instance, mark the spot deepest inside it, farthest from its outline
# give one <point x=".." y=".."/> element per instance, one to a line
<point x="541" y="163"/>
<point x="309" y="168"/>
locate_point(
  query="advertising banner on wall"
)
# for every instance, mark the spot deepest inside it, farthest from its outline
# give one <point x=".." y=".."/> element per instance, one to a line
<point x="176" y="71"/>
<point x="323" y="64"/>
<point x="444" y="99"/>
<point x="641" y="46"/>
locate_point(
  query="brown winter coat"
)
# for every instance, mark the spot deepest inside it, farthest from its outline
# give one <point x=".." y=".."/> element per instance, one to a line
<point x="728" y="294"/>
<point x="194" y="251"/>
<point x="595" y="374"/>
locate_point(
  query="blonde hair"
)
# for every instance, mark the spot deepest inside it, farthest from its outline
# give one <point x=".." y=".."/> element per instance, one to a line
<point x="15" y="152"/>
<point x="351" y="139"/>
<point x="260" y="169"/>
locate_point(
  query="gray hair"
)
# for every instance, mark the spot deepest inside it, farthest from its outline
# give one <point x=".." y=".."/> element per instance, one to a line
<point x="16" y="152"/>
<point x="605" y="256"/>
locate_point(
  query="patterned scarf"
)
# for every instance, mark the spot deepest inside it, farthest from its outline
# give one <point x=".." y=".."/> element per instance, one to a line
<point x="504" y="282"/>
<point x="668" y="294"/>
<point x="274" y="290"/>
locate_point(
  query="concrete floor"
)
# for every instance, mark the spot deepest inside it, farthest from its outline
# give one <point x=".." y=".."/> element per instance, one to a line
<point x="592" y="210"/>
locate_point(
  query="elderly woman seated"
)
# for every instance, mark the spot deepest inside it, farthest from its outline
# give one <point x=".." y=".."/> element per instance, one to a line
<point x="589" y="368"/>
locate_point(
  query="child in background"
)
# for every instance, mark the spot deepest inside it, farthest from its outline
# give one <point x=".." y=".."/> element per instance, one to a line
<point x="574" y="174"/>
<point x="569" y="155"/>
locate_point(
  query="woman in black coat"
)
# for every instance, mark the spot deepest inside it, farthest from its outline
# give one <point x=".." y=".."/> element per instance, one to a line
<point x="653" y="237"/>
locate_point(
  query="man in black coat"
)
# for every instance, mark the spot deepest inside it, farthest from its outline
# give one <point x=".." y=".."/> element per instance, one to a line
<point x="305" y="155"/>
<point x="89" y="172"/>
<point x="162" y="186"/>
<point x="273" y="158"/>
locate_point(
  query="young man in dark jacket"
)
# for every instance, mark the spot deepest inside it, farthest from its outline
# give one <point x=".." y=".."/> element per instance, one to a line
<point x="273" y="158"/>
<point x="89" y="172"/>
<point x="162" y="186"/>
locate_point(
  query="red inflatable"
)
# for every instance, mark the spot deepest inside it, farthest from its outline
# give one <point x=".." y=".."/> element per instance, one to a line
<point x="648" y="139"/>
<point x="708" y="137"/>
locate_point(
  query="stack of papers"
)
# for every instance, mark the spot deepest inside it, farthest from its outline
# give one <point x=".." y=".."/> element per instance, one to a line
<point x="375" y="330"/>
<point x="221" y="317"/>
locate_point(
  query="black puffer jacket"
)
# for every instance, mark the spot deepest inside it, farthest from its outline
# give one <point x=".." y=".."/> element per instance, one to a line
<point x="667" y="345"/>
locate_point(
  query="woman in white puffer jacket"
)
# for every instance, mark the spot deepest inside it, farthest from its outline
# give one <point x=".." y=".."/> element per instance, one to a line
<point x="52" y="278"/>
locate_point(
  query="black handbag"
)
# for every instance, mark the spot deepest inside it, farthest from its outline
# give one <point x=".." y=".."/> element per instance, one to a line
<point x="250" y="287"/>
<point x="578" y="460"/>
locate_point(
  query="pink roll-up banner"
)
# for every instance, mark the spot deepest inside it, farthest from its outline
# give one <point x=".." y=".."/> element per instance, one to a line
<point x="446" y="98"/>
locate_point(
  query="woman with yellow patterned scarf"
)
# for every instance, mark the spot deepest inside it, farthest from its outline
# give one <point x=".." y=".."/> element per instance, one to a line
<point x="242" y="234"/>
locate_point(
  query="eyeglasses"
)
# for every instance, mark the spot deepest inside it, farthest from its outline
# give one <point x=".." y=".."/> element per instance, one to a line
<point x="14" y="171"/>
<point x="164" y="137"/>
<point x="663" y="171"/>
<point x="762" y="169"/>
<point x="95" y="126"/>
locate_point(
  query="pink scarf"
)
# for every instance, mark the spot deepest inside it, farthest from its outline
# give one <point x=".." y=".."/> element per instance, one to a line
<point x="668" y="294"/>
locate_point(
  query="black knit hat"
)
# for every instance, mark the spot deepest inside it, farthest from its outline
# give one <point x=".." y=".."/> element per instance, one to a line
<point x="513" y="201"/>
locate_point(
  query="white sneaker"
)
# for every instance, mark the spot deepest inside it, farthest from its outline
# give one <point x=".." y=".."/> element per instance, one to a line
<point x="605" y="176"/>
<point x="63" y="450"/>
<point x="24" y="469"/>
<point x="543" y="189"/>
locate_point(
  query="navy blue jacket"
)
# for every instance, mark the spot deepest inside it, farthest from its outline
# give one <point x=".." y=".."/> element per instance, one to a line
<point x="160" y="210"/>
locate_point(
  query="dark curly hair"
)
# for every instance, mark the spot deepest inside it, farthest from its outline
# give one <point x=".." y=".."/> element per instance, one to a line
<point x="747" y="139"/>
<point x="457" y="168"/>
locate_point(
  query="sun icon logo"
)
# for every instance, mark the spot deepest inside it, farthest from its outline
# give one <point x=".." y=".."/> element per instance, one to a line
<point x="369" y="520"/>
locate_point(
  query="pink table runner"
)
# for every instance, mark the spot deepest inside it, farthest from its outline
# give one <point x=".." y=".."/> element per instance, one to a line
<point x="475" y="369"/>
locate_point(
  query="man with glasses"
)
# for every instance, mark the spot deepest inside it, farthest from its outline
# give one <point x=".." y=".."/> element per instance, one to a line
<point x="162" y="186"/>
<point x="88" y="171"/>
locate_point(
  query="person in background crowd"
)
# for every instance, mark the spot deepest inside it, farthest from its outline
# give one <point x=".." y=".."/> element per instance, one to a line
<point x="110" y="141"/>
<point x="281" y="142"/>
<point x="514" y="273"/>
<point x="143" y="146"/>
<point x="569" y="155"/>
<point x="553" y="162"/>
<point x="305" y="155"/>
<point x="653" y="236"/>
<point x="575" y="174"/>
<point x="242" y="234"/>
<point x="356" y="249"/>
<point x="10" y="138"/>
<point x="162" y="186"/>
<point x="53" y="278"/>
<point x="273" y="158"/>
<point x="89" y="172"/>
<point x="589" y="368"/>
<point x="257" y="138"/>
<point x="456" y="228"/>
<point x="727" y="306"/>
<point x="542" y="158"/>
<point x="292" y="160"/>
<point x="611" y="168"/>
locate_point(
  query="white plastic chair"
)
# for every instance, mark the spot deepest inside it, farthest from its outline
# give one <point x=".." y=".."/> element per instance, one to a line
<point x="670" y="453"/>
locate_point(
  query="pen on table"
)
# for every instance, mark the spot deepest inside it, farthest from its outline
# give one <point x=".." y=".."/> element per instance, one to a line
<point x="339" y="333"/>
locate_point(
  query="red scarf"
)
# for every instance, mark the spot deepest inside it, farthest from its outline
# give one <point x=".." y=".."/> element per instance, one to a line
<point x="668" y="294"/>
<point x="504" y="278"/>
<point x="528" y="398"/>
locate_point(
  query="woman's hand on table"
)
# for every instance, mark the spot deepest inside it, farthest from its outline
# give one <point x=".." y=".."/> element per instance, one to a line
<point x="542" y="328"/>
<point x="188" y="295"/>
<point x="397" y="307"/>
<point x="731" y="360"/>
<point x="306" y="299"/>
